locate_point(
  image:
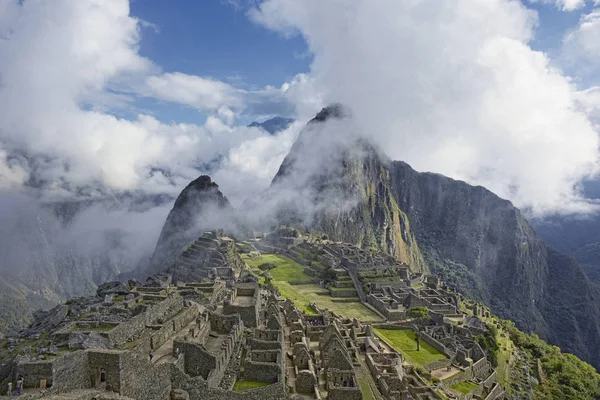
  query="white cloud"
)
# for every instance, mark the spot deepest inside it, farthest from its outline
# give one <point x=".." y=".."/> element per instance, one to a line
<point x="202" y="93"/>
<point x="61" y="63"/>
<point x="452" y="88"/>
<point x="564" y="5"/>
<point x="581" y="46"/>
<point x="249" y="167"/>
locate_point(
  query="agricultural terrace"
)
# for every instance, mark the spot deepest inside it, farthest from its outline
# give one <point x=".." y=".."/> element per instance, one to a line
<point x="405" y="341"/>
<point x="465" y="387"/>
<point x="244" y="385"/>
<point x="287" y="270"/>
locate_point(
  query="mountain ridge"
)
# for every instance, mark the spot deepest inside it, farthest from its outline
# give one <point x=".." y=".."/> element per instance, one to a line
<point x="334" y="181"/>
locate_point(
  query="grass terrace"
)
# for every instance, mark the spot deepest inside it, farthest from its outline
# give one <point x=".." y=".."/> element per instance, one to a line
<point x="288" y="270"/>
<point x="465" y="387"/>
<point x="404" y="341"/>
<point x="245" y="385"/>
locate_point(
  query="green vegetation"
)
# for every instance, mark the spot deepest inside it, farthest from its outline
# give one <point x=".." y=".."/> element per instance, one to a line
<point x="419" y="313"/>
<point x="464" y="387"/>
<point x="302" y="295"/>
<point x="245" y="385"/>
<point x="489" y="343"/>
<point x="266" y="266"/>
<point x="118" y="299"/>
<point x="404" y="341"/>
<point x="365" y="389"/>
<point x="287" y="270"/>
<point x="284" y="231"/>
<point x="564" y="376"/>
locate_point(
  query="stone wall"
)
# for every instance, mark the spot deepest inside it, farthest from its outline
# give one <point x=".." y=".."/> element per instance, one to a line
<point x="350" y="292"/>
<point x="173" y="326"/>
<point x="137" y="325"/>
<point x="385" y="310"/>
<point x="249" y="314"/>
<point x="32" y="372"/>
<point x="344" y="393"/>
<point x="306" y="382"/>
<point x="109" y="362"/>
<point x="257" y="344"/>
<point x="435" y="344"/>
<point x="262" y="371"/>
<point x="198" y="361"/>
<point x="142" y="380"/>
<point x="71" y="372"/>
<point x="197" y="390"/>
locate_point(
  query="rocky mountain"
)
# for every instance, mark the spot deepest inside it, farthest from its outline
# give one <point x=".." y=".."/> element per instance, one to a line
<point x="199" y="206"/>
<point x="273" y="125"/>
<point x="578" y="237"/>
<point x="472" y="238"/>
<point x="334" y="181"/>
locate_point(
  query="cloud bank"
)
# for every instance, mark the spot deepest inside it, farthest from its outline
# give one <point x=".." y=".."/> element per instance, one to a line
<point x="454" y="88"/>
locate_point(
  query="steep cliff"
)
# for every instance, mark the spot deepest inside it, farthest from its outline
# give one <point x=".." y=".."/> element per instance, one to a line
<point x="484" y="246"/>
<point x="199" y="206"/>
<point x="339" y="185"/>
<point x="475" y="240"/>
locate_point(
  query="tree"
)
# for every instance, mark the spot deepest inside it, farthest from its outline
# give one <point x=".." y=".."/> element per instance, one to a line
<point x="419" y="313"/>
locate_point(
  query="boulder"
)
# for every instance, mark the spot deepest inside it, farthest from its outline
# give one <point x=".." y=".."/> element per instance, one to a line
<point x="46" y="321"/>
<point x="95" y="341"/>
<point x="113" y="288"/>
<point x="76" y="340"/>
<point x="134" y="283"/>
<point x="158" y="280"/>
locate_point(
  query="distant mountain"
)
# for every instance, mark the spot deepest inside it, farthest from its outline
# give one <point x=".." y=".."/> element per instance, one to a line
<point x="273" y="125"/>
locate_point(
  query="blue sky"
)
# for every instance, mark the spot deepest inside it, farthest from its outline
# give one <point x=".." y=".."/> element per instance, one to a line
<point x="214" y="39"/>
<point x="217" y="40"/>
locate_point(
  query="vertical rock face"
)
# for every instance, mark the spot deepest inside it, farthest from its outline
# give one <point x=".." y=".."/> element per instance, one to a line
<point x="334" y="182"/>
<point x="199" y="206"/>
<point x="472" y="238"/>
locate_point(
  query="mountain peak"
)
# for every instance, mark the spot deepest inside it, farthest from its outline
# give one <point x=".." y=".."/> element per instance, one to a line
<point x="189" y="215"/>
<point x="273" y="125"/>
<point x="332" y="111"/>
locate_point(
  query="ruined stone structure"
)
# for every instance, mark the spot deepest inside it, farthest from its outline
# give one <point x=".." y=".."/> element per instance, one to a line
<point x="211" y="255"/>
<point x="227" y="337"/>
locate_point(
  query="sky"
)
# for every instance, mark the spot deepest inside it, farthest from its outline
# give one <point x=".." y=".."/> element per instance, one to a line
<point x="105" y="97"/>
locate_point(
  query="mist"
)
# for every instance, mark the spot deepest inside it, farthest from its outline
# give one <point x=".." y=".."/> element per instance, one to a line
<point x="59" y="256"/>
<point x="454" y="88"/>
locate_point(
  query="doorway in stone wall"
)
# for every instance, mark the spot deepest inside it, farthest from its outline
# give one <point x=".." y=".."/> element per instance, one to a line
<point x="100" y="379"/>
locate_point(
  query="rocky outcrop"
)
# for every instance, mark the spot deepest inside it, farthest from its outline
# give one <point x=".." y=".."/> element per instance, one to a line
<point x="115" y="287"/>
<point x="199" y="206"/>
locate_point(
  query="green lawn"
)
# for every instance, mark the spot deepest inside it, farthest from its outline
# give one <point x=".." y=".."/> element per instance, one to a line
<point x="245" y="385"/>
<point x="365" y="389"/>
<point x="287" y="269"/>
<point x="464" y="387"/>
<point x="302" y="295"/>
<point x="404" y="341"/>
